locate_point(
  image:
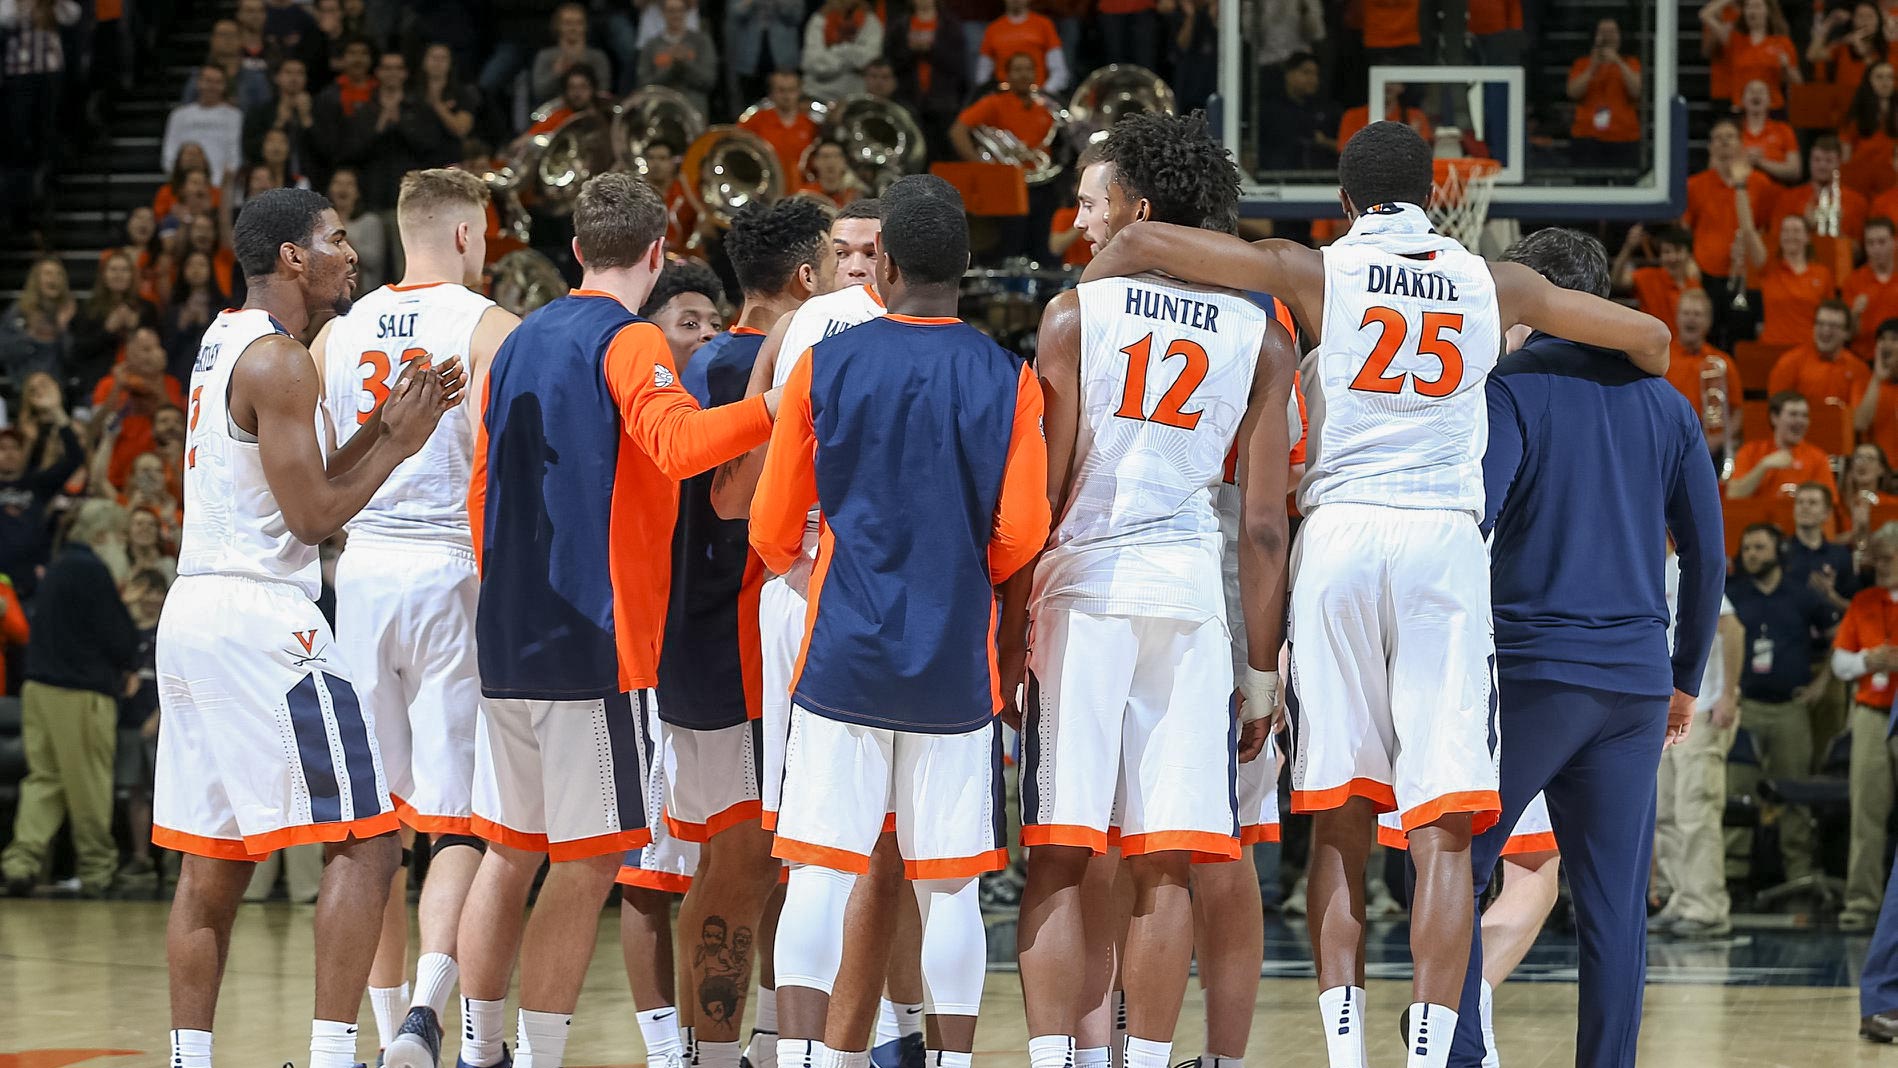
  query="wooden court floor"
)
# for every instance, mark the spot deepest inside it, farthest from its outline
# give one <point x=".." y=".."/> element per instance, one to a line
<point x="81" y="980"/>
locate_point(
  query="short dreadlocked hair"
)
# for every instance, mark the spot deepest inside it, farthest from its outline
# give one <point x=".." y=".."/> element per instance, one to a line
<point x="1386" y="163"/>
<point x="683" y="276"/>
<point x="1173" y="163"/>
<point x="768" y="243"/>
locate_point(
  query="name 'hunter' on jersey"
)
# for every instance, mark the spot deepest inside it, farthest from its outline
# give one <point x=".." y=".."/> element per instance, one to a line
<point x="1152" y="304"/>
<point x="1410" y="282"/>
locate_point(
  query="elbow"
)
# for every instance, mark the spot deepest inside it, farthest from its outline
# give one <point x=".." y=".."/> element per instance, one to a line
<point x="1267" y="531"/>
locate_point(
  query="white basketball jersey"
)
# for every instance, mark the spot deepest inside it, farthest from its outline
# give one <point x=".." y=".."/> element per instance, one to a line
<point x="813" y="321"/>
<point x="1166" y="374"/>
<point x="233" y="525"/>
<point x="426" y="497"/>
<point x="1395" y="387"/>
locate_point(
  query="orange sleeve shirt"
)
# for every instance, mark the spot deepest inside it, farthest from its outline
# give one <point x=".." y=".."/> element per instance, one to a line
<point x="1804" y="371"/>
<point x="1080" y="253"/>
<point x="1810" y="464"/>
<point x="671" y="439"/>
<point x="1881" y="303"/>
<point x="1034" y="35"/>
<point x="1798" y="200"/>
<point x="1791" y="301"/>
<point x="1606" y="111"/>
<point x="1751" y="61"/>
<point x="1685" y="370"/>
<point x="1775" y="140"/>
<point x="1022" y="515"/>
<point x="1355" y="119"/>
<point x="1658" y="294"/>
<point x="788" y="140"/>
<point x="1871" y="620"/>
<point x="1006" y="111"/>
<point x="1714" y="219"/>
<point x="1391" y="24"/>
<point x="1494" y="16"/>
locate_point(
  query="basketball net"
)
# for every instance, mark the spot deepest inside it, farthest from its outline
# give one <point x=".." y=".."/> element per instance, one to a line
<point x="1459" y="202"/>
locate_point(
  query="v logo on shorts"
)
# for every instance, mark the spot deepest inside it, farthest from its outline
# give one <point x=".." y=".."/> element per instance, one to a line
<point x="306" y="638"/>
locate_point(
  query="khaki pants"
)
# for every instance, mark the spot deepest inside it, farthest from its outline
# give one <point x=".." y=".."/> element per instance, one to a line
<point x="1874" y="756"/>
<point x="1830" y="713"/>
<point x="1782" y="737"/>
<point x="71" y="737"/>
<point x="1692" y="800"/>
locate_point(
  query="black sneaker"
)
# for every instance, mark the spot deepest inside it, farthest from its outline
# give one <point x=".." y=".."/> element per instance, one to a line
<point x="506" y="1061"/>
<point x="417" y="1043"/>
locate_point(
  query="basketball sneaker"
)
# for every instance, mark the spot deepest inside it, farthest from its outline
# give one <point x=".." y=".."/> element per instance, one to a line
<point x="506" y="1061"/>
<point x="905" y="1052"/>
<point x="418" y="1042"/>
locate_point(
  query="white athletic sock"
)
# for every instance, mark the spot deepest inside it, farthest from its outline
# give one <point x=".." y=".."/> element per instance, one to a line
<point x="887" y="1029"/>
<point x="659" y="1028"/>
<point x="837" y="1058"/>
<point x="1091" y="1057"/>
<point x="717" y="1054"/>
<point x="435" y="976"/>
<point x="1341" y="1010"/>
<point x="1142" y="1053"/>
<point x="944" y="1058"/>
<point x="801" y="1053"/>
<point x="1051" y="1051"/>
<point x="762" y="1050"/>
<point x="332" y="1044"/>
<point x="1432" y="1029"/>
<point x="1485" y="1007"/>
<point x="541" y="1040"/>
<point x="387" y="1002"/>
<point x="190" y="1049"/>
<point x="483" y="1028"/>
<point x="1209" y="1060"/>
<point x="1117" y="1048"/>
<point x="909" y="1019"/>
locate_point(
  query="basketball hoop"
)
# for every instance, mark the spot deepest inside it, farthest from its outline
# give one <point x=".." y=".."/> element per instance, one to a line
<point x="1459" y="202"/>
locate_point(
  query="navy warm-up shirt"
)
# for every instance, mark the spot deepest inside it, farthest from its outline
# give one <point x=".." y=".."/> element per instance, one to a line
<point x="1592" y="464"/>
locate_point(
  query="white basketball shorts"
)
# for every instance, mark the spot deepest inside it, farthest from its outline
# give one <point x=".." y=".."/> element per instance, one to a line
<point x="564" y="778"/>
<point x="781" y="611"/>
<point x="1259" y="796"/>
<point x="405" y="614"/>
<point x="265" y="744"/>
<point x="711" y="778"/>
<point x="1532" y="834"/>
<point x="1130" y="732"/>
<point x="667" y="863"/>
<point x="945" y="790"/>
<point x="1393" y="664"/>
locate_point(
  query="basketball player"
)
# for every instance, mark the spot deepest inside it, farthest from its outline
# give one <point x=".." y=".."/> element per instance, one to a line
<point x="710" y="694"/>
<point x="848" y="297"/>
<point x="584" y="436"/>
<point x="684" y="306"/>
<point x="405" y="584"/>
<point x="1129" y="727"/>
<point x="924" y="437"/>
<point x="265" y="744"/>
<point x="1395" y="392"/>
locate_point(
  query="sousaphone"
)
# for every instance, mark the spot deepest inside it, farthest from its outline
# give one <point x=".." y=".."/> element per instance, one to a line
<point x="881" y="139"/>
<point x="1113" y="92"/>
<point x="728" y="168"/>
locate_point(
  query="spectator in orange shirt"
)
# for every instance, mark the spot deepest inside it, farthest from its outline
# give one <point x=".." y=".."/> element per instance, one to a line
<point x="1875" y="409"/>
<point x="786" y="125"/>
<point x="1872" y="290"/>
<point x="1357" y="118"/>
<point x="1847" y="43"/>
<point x="1864" y="487"/>
<point x="1606" y="86"/>
<point x="1017" y="109"/>
<point x="1822" y="167"/>
<point x="1756" y="47"/>
<point x="1020" y="30"/>
<point x="1780" y="463"/>
<point x="125" y="401"/>
<point x="1793" y="286"/>
<point x="828" y="176"/>
<point x="1824" y="370"/>
<point x="1726" y="205"/>
<point x="662" y="174"/>
<point x="1066" y="240"/>
<point x="1497" y="27"/>
<point x="579" y="91"/>
<point x="1657" y="288"/>
<point x="1871" y="132"/>
<point x="1393" y="32"/>
<point x="1715" y="16"/>
<point x="1770" y="144"/>
<point x="1697" y="369"/>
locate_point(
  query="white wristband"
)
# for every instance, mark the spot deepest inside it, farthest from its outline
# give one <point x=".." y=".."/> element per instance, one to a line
<point x="1261" y="692"/>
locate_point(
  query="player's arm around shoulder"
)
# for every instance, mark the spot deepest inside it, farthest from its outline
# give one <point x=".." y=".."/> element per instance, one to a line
<point x="1208" y="257"/>
<point x="736" y="481"/>
<point x="1523" y="296"/>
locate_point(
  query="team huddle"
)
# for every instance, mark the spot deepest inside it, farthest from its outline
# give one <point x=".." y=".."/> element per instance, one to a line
<point x="745" y="620"/>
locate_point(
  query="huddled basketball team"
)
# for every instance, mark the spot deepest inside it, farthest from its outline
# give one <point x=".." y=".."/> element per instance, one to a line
<point x="742" y="618"/>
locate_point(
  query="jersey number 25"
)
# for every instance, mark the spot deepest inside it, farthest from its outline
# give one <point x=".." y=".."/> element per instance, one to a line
<point x="1375" y="376"/>
<point x="1171" y="411"/>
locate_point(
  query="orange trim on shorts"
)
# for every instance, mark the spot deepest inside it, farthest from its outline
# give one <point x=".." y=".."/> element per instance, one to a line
<point x="722" y="821"/>
<point x="1064" y="834"/>
<point x="488" y="830"/>
<point x="1377" y="793"/>
<point x="956" y="867"/>
<point x="414" y="819"/>
<point x="1484" y="806"/>
<point x="599" y="845"/>
<point x="1391" y="837"/>
<point x="889" y="823"/>
<point x="821" y="855"/>
<point x="1518" y="844"/>
<point x="665" y="882"/>
<point x="768" y="818"/>
<point x="1258" y="832"/>
<point x="253" y="847"/>
<point x="1204" y="846"/>
<point x="200" y="846"/>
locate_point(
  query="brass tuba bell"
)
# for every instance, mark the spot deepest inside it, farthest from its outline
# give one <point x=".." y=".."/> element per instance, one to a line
<point x="1114" y="91"/>
<point x="654" y="114"/>
<point x="1041" y="163"/>
<point x="728" y="168"/>
<point x="880" y="137"/>
<point x="524" y="280"/>
<point x="557" y="163"/>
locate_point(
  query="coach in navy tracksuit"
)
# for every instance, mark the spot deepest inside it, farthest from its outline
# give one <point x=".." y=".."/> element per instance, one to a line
<point x="1591" y="465"/>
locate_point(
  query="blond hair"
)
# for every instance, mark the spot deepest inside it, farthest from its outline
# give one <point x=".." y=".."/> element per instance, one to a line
<point x="425" y="194"/>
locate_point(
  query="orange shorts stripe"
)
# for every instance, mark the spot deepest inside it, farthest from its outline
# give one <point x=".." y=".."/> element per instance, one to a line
<point x="1518" y="844"/>
<point x="1064" y="834"/>
<point x="1258" y="832"/>
<point x="956" y="867"/>
<point x="1204" y="846"/>
<point x="768" y="818"/>
<point x="416" y="821"/>
<point x="200" y="846"/>
<point x="821" y="855"/>
<point x="720" y="822"/>
<point x="491" y="831"/>
<point x="1379" y="794"/>
<point x="665" y="882"/>
<point x="1484" y="806"/>
<point x="599" y="845"/>
<point x="262" y="845"/>
<point x="1392" y="837"/>
<point x="889" y="823"/>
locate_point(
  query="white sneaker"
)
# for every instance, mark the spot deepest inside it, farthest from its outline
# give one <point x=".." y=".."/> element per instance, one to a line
<point x="1379" y="904"/>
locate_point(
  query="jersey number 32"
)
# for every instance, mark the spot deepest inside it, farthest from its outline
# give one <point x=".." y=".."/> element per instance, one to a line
<point x="377" y="382"/>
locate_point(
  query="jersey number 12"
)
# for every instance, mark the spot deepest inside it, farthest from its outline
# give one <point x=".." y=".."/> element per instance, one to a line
<point x="1171" y="411"/>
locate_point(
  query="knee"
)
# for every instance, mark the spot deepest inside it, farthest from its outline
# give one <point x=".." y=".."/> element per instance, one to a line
<point x="444" y="842"/>
<point x="1064" y="865"/>
<point x="380" y="855"/>
<point x="1152" y="871"/>
<point x="1448" y="834"/>
<point x="646" y="903"/>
